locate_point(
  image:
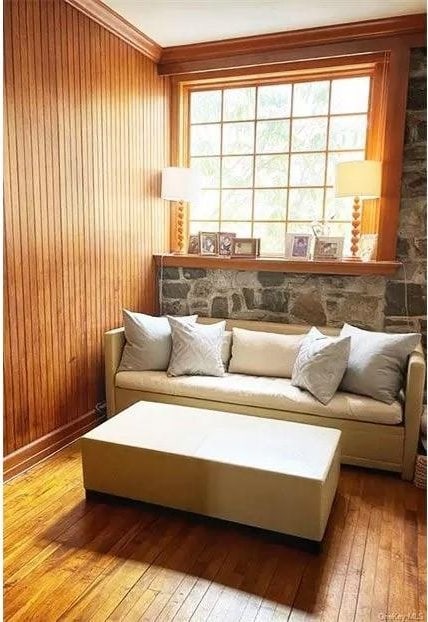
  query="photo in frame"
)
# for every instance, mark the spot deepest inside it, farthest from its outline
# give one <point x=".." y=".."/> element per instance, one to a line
<point x="193" y="246"/>
<point x="225" y="243"/>
<point x="208" y="243"/>
<point x="368" y="246"/>
<point x="298" y="246"/>
<point x="328" y="248"/>
<point x="245" y="247"/>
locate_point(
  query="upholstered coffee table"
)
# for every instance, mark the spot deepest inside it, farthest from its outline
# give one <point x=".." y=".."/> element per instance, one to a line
<point x="267" y="473"/>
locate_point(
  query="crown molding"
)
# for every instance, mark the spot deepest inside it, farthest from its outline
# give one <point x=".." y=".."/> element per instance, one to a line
<point x="116" y="24"/>
<point x="284" y="46"/>
<point x="339" y="39"/>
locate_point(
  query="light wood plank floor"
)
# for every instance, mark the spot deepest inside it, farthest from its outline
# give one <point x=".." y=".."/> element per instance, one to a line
<point x="71" y="559"/>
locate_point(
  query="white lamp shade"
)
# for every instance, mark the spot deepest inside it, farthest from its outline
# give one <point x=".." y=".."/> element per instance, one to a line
<point x="180" y="184"/>
<point x="358" y="179"/>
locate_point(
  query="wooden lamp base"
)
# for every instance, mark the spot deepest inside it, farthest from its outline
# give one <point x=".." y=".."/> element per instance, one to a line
<point x="178" y="229"/>
<point x="356" y="223"/>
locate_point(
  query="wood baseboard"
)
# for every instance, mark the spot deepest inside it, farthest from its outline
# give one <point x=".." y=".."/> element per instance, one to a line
<point x="23" y="458"/>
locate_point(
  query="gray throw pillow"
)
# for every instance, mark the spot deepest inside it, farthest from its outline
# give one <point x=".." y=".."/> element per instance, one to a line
<point x="148" y="341"/>
<point x="376" y="362"/>
<point x="320" y="364"/>
<point x="196" y="349"/>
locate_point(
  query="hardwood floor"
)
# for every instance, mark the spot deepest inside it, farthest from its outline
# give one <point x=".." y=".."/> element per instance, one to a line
<point x="68" y="558"/>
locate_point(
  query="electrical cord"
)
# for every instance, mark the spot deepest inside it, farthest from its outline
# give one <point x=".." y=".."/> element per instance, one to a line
<point x="406" y="299"/>
<point x="161" y="284"/>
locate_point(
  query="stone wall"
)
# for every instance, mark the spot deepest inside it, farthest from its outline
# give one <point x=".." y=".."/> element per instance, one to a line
<point x="369" y="302"/>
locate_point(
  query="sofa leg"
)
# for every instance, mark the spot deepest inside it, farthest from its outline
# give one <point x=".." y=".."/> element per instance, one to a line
<point x="408" y="472"/>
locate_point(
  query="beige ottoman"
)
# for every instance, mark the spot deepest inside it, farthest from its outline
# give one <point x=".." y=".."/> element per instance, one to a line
<point x="267" y="473"/>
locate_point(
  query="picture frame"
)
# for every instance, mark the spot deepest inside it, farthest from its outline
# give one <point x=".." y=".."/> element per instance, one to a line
<point x="245" y="247"/>
<point x="208" y="243"/>
<point x="225" y="243"/>
<point x="193" y="247"/>
<point x="328" y="248"/>
<point x="298" y="246"/>
<point x="368" y="246"/>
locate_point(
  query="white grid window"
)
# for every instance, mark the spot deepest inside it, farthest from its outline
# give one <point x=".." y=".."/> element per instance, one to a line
<point x="267" y="156"/>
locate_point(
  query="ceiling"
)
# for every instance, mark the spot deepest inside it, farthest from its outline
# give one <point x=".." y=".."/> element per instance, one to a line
<point x="177" y="22"/>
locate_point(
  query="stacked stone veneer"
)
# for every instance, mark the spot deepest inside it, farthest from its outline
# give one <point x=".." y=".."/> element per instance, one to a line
<point x="372" y="302"/>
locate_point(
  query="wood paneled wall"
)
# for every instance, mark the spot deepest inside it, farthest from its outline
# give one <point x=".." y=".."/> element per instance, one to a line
<point x="85" y="138"/>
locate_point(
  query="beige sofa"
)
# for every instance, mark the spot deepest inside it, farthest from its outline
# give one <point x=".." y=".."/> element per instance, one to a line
<point x="374" y="434"/>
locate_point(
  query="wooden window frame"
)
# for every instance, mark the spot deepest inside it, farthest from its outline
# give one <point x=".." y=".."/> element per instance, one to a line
<point x="389" y="69"/>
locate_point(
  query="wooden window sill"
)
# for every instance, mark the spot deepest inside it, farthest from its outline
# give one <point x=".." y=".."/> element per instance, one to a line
<point x="275" y="264"/>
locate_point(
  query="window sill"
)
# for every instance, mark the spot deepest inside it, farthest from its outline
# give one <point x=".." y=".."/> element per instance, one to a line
<point x="275" y="264"/>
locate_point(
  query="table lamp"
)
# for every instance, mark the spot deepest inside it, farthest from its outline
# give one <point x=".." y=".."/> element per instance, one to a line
<point x="182" y="185"/>
<point x="361" y="180"/>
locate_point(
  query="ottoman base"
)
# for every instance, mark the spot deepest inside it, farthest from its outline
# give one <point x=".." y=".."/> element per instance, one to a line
<point x="271" y="474"/>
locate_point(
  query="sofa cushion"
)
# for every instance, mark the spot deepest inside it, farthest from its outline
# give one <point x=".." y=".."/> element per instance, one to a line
<point x="226" y="349"/>
<point x="196" y="349"/>
<point x="263" y="354"/>
<point x="275" y="393"/>
<point x="376" y="362"/>
<point x="148" y="341"/>
<point x="320" y="364"/>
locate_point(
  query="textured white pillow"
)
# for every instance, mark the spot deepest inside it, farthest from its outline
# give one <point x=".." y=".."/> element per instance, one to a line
<point x="320" y="364"/>
<point x="226" y="348"/>
<point x="376" y="362"/>
<point x="263" y="354"/>
<point x="148" y="341"/>
<point x="196" y="349"/>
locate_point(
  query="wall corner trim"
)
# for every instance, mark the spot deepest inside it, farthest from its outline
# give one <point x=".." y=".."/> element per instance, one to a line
<point x="119" y="26"/>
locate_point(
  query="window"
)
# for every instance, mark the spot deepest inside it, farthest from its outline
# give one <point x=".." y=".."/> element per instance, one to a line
<point x="267" y="156"/>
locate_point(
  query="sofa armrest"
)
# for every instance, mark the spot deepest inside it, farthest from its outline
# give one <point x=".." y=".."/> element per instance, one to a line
<point x="414" y="395"/>
<point x="114" y="340"/>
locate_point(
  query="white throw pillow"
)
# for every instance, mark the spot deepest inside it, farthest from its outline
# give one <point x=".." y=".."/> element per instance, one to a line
<point x="376" y="362"/>
<point x="263" y="354"/>
<point x="196" y="349"/>
<point x="148" y="341"/>
<point x="226" y="349"/>
<point x="320" y="364"/>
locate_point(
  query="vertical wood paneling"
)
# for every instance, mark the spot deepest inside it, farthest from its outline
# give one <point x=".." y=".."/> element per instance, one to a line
<point x="85" y="137"/>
